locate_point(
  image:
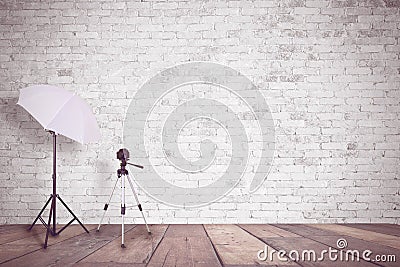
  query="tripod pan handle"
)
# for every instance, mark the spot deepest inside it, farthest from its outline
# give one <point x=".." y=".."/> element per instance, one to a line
<point x="137" y="166"/>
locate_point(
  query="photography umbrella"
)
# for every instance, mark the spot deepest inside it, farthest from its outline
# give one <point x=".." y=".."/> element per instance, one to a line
<point x="59" y="112"/>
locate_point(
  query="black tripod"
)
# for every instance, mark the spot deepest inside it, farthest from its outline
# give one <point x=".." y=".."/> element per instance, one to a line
<point x="123" y="156"/>
<point x="53" y="197"/>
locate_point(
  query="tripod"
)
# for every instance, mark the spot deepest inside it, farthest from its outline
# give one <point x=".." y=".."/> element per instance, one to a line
<point x="53" y="197"/>
<point x="123" y="173"/>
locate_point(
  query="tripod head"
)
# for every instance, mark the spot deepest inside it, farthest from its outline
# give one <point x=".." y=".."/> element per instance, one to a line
<point x="123" y="156"/>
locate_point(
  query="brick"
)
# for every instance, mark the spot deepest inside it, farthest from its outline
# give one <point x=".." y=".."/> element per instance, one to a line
<point x="306" y="10"/>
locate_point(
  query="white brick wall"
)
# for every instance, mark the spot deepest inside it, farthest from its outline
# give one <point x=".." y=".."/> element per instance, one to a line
<point x="330" y="71"/>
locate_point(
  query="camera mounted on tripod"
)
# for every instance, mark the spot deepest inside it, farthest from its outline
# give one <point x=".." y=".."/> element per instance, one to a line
<point x="123" y="156"/>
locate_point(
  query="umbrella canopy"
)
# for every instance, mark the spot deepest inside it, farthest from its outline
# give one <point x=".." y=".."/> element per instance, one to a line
<point x="60" y="111"/>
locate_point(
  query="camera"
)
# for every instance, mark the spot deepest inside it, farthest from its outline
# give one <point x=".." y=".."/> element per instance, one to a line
<point x="123" y="154"/>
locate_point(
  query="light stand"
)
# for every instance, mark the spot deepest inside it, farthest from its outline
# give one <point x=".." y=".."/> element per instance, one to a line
<point x="122" y="173"/>
<point x="53" y="197"/>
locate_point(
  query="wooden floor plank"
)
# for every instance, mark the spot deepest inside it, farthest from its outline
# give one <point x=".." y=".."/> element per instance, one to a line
<point x="304" y="230"/>
<point x="383" y="239"/>
<point x="139" y="247"/>
<point x="288" y="241"/>
<point x="353" y="243"/>
<point x="185" y="245"/>
<point x="185" y="230"/>
<point x="383" y="228"/>
<point x="34" y="241"/>
<point x="361" y="245"/>
<point x="107" y="264"/>
<point x="192" y="245"/>
<point x="9" y="227"/>
<point x="20" y="231"/>
<point x="237" y="247"/>
<point x="302" y="244"/>
<point x="71" y="250"/>
<point x="266" y="230"/>
<point x="15" y="232"/>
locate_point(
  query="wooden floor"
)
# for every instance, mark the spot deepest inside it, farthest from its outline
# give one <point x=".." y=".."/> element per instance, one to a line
<point x="194" y="245"/>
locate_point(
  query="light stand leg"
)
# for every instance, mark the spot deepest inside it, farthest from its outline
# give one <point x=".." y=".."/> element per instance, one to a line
<point x="106" y="205"/>
<point x="53" y="198"/>
<point x="40" y="213"/>
<point x="123" y="207"/>
<point x="138" y="203"/>
<point x="73" y="215"/>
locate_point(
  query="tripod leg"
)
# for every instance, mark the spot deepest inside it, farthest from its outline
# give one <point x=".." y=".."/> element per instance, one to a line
<point x="70" y="211"/>
<point x="138" y="203"/>
<point x="123" y="210"/>
<point x="40" y="213"/>
<point x="106" y="206"/>
<point x="49" y="222"/>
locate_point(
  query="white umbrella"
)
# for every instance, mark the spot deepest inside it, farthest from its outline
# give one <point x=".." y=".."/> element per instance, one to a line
<point x="60" y="112"/>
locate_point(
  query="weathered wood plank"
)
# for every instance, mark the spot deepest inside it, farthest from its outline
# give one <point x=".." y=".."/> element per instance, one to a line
<point x="107" y="264"/>
<point x="71" y="250"/>
<point x="304" y="230"/>
<point x="14" y="232"/>
<point x="185" y="245"/>
<point x="184" y="230"/>
<point x="9" y="227"/>
<point x="189" y="245"/>
<point x="266" y="230"/>
<point x="361" y="245"/>
<point x="139" y="247"/>
<point x="34" y="241"/>
<point x="383" y="239"/>
<point x="237" y="247"/>
<point x="383" y="228"/>
<point x="352" y="243"/>
<point x="300" y="244"/>
<point x="306" y="258"/>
